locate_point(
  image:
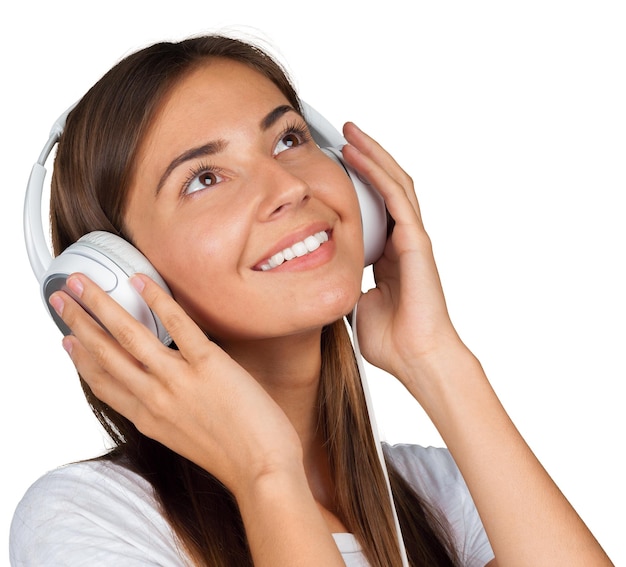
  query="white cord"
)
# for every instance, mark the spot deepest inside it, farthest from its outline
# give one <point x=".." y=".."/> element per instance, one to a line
<point x="374" y="427"/>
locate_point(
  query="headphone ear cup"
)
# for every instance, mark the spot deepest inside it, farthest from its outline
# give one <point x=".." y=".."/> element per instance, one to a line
<point x="124" y="254"/>
<point x="109" y="261"/>
<point x="373" y="210"/>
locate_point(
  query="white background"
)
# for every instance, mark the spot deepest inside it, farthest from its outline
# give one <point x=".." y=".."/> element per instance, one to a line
<point x="510" y="117"/>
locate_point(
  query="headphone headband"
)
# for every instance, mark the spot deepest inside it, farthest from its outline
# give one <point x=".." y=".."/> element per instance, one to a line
<point x="36" y="247"/>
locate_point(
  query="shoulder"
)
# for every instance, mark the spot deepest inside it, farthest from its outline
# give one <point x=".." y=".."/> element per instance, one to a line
<point x="430" y="470"/>
<point x="433" y="474"/>
<point x="95" y="510"/>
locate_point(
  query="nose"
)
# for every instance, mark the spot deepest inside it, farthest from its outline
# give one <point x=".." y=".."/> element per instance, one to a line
<point x="282" y="190"/>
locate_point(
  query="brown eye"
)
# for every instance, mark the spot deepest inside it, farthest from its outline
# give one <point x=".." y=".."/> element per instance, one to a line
<point x="289" y="140"/>
<point x="202" y="179"/>
<point x="207" y="178"/>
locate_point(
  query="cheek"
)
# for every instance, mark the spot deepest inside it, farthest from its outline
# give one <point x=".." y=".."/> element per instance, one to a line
<point x="204" y="279"/>
<point x="182" y="260"/>
<point x="213" y="302"/>
<point x="191" y="250"/>
<point x="189" y="263"/>
<point x="350" y="214"/>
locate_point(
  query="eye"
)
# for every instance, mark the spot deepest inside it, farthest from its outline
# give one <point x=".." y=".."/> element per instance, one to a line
<point x="201" y="178"/>
<point x="286" y="142"/>
<point x="293" y="136"/>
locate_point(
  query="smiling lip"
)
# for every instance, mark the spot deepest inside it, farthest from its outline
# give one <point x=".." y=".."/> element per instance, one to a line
<point x="301" y="248"/>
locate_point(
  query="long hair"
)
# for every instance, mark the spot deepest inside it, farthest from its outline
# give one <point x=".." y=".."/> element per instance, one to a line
<point x="92" y="173"/>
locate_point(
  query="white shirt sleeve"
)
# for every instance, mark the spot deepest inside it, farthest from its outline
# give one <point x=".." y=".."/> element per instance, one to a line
<point x="92" y="513"/>
<point x="432" y="472"/>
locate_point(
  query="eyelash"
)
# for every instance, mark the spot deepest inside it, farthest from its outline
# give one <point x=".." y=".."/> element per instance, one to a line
<point x="195" y="172"/>
<point x="300" y="129"/>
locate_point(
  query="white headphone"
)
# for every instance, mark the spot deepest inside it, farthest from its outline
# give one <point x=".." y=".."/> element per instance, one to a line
<point x="110" y="260"/>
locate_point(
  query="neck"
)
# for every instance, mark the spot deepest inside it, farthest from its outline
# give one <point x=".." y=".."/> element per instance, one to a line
<point x="289" y="370"/>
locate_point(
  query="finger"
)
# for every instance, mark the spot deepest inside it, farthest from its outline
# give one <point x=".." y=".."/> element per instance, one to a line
<point x="103" y="385"/>
<point x="99" y="358"/>
<point x="369" y="147"/>
<point x="93" y="334"/>
<point x="123" y="330"/>
<point x="190" y="339"/>
<point x="122" y="348"/>
<point x="404" y="211"/>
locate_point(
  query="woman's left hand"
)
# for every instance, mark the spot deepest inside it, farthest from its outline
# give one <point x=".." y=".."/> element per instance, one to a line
<point x="404" y="328"/>
<point x="403" y="321"/>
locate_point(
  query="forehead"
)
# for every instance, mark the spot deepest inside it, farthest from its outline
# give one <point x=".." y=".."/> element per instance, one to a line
<point x="219" y="88"/>
<point x="220" y="98"/>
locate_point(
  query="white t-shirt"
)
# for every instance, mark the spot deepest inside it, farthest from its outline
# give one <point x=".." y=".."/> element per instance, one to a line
<point x="100" y="513"/>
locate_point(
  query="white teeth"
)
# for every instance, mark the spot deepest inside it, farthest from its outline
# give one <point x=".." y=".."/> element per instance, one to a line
<point x="277" y="260"/>
<point x="309" y="244"/>
<point x="299" y="249"/>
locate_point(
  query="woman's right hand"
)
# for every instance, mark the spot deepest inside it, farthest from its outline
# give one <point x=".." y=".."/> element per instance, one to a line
<point x="197" y="401"/>
<point x="204" y="406"/>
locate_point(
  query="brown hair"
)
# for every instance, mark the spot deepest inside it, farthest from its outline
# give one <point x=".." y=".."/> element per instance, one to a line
<point x="92" y="172"/>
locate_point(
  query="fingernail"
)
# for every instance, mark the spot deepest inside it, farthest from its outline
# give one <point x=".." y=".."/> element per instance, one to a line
<point x="75" y="285"/>
<point x="57" y="304"/>
<point x="137" y="283"/>
<point x="67" y="345"/>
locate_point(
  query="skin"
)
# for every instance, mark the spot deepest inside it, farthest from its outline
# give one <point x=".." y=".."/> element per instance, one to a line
<point x="258" y="386"/>
<point x="260" y="201"/>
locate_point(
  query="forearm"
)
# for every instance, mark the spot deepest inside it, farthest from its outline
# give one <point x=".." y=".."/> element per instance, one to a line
<point x="283" y="524"/>
<point x="527" y="519"/>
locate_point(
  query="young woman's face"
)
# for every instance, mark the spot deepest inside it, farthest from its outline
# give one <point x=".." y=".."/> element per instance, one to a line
<point x="227" y="185"/>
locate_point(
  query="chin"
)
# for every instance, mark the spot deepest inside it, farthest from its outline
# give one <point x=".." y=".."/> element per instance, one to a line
<point x="338" y="302"/>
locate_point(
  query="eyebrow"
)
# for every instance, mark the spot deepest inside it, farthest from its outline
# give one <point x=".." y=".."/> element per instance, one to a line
<point x="209" y="149"/>
<point x="217" y="146"/>
<point x="275" y="115"/>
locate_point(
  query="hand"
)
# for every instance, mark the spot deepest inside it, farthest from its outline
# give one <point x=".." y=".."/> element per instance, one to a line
<point x="197" y="401"/>
<point x="404" y="328"/>
<point x="403" y="321"/>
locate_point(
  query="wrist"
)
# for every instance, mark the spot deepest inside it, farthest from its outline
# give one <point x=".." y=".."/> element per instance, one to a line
<point x="282" y="519"/>
<point x="436" y="377"/>
<point x="260" y="474"/>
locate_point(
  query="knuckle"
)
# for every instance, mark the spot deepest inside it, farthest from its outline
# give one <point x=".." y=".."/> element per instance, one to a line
<point x="174" y="323"/>
<point x="100" y="354"/>
<point x="159" y="405"/>
<point x="426" y="243"/>
<point x="156" y="415"/>
<point x="126" y="337"/>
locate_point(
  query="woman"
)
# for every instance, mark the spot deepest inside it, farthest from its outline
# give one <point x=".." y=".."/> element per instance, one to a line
<point x="253" y="446"/>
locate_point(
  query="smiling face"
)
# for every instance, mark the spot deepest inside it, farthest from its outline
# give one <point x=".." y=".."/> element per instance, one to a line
<point x="256" y="231"/>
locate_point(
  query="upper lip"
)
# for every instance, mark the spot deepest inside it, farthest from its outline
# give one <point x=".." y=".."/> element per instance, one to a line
<point x="296" y="236"/>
